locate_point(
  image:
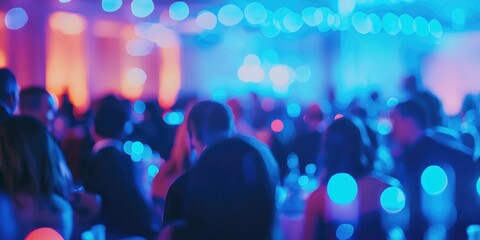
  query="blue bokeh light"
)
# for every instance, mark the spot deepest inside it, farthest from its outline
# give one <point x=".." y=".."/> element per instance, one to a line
<point x="434" y="180"/>
<point x="303" y="181"/>
<point x="173" y="118"/>
<point x="292" y="22"/>
<point x="16" y="18"/>
<point x="142" y="8"/>
<point x="111" y="5"/>
<point x="384" y="126"/>
<point x="139" y="107"/>
<point x="421" y="26"/>
<point x="293" y="110"/>
<point x="392" y="102"/>
<point x="392" y="200"/>
<point x="303" y="73"/>
<point x="178" y="11"/>
<point x="362" y="23"/>
<point x="147" y="152"/>
<point x="230" y="15"/>
<point x="344" y="231"/>
<point x="137" y="148"/>
<point x="407" y="23"/>
<point x="310" y="169"/>
<point x="458" y="18"/>
<point x="255" y="13"/>
<point x="127" y="147"/>
<point x="435" y="28"/>
<point x="342" y="188"/>
<point x="64" y="1"/>
<point x="152" y="170"/>
<point x="478" y="186"/>
<point x="391" y="24"/>
<point x="376" y="23"/>
<point x="312" y="16"/>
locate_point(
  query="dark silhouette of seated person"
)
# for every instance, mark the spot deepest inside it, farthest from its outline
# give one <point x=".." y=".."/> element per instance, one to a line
<point x="421" y="150"/>
<point x="345" y="151"/>
<point x="231" y="193"/>
<point x="32" y="188"/>
<point x="8" y="93"/>
<point x="208" y="122"/>
<point x="110" y="173"/>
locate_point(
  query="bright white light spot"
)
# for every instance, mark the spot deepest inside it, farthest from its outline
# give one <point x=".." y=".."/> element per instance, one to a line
<point x="206" y="20"/>
<point x="136" y="77"/>
<point x="230" y="15"/>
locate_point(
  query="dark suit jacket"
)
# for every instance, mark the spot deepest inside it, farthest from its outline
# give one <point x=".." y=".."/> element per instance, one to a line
<point x="124" y="210"/>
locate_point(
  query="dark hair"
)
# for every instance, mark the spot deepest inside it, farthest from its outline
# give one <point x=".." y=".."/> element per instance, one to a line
<point x="209" y="119"/>
<point x="30" y="98"/>
<point x="232" y="191"/>
<point x="110" y="118"/>
<point x="29" y="158"/>
<point x="8" y="83"/>
<point x="415" y="109"/>
<point x="434" y="107"/>
<point x="346" y="148"/>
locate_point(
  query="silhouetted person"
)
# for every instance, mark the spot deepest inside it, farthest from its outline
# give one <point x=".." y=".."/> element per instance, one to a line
<point x="345" y="151"/>
<point x="110" y="173"/>
<point x="8" y="93"/>
<point x="208" y="122"/>
<point x="32" y="188"/>
<point x="231" y="193"/>
<point x="420" y="150"/>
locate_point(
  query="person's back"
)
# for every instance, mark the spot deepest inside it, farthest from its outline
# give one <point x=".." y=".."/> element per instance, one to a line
<point x="349" y="195"/>
<point x="208" y="122"/>
<point x="429" y="152"/>
<point x="31" y="184"/>
<point x="365" y="213"/>
<point x="111" y="174"/>
<point x="231" y="192"/>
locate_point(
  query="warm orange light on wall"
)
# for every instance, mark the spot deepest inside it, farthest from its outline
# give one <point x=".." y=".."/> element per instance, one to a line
<point x="3" y="44"/>
<point x="170" y="76"/>
<point x="67" y="69"/>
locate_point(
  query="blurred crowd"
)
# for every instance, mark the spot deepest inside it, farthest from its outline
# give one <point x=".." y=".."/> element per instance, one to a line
<point x="249" y="167"/>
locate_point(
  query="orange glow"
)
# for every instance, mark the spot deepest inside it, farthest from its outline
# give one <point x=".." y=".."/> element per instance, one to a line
<point x="132" y="83"/>
<point x="66" y="60"/>
<point x="133" y="77"/>
<point x="108" y="29"/>
<point x="3" y="44"/>
<point x="170" y="76"/>
<point x="67" y="23"/>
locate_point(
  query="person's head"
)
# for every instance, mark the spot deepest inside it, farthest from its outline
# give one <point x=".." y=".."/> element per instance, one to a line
<point x="110" y="118"/>
<point x="29" y="158"/>
<point x="8" y="89"/>
<point x="38" y="103"/>
<point x="232" y="191"/>
<point x="434" y="109"/>
<point x="209" y="122"/>
<point x="313" y="116"/>
<point x="346" y="147"/>
<point x="409" y="119"/>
